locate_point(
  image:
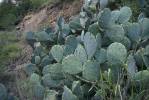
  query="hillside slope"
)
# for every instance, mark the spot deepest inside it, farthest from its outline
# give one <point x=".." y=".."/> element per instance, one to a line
<point x="47" y="15"/>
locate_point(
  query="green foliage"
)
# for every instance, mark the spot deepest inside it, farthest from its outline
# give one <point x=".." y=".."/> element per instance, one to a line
<point x="70" y="45"/>
<point x="57" y="52"/>
<point x="8" y="15"/>
<point x="115" y="33"/>
<point x="68" y="95"/>
<point x="37" y="59"/>
<point x="72" y="64"/>
<point x="76" y="89"/>
<point x="49" y="82"/>
<point x="38" y="91"/>
<point x="3" y="92"/>
<point x="30" y="69"/>
<point x="141" y="79"/>
<point x="104" y="18"/>
<point x="94" y="29"/>
<point x="42" y="36"/>
<point x="51" y="95"/>
<point x="91" y="71"/>
<point x="75" y="24"/>
<point x="131" y="63"/>
<point x="103" y="55"/>
<point x="81" y="53"/>
<point x="7" y="21"/>
<point x="90" y="44"/>
<point x="146" y="7"/>
<point x="9" y="48"/>
<point x="116" y="54"/>
<point x="133" y="32"/>
<point x="56" y="71"/>
<point x="125" y="14"/>
<point x="144" y="25"/>
<point x="35" y="78"/>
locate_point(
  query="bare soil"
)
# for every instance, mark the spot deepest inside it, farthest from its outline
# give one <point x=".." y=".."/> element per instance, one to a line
<point x="48" y="15"/>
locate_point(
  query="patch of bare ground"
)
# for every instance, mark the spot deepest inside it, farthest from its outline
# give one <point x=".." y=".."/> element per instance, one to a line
<point x="48" y="15"/>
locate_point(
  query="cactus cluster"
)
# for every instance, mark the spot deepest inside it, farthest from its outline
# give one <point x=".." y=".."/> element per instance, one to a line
<point x="80" y="60"/>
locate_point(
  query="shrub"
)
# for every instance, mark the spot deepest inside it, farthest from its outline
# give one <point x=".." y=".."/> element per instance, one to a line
<point x="7" y="16"/>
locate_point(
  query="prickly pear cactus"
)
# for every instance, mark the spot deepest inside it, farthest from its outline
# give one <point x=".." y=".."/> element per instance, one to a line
<point x="72" y="65"/>
<point x="125" y="14"/>
<point x="68" y="95"/>
<point x="57" y="52"/>
<point x="81" y="53"/>
<point x="90" y="44"/>
<point x="91" y="71"/>
<point x="98" y="54"/>
<point x="116" y="54"/>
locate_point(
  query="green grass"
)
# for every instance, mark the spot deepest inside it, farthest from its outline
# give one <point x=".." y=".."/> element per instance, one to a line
<point x="9" y="48"/>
